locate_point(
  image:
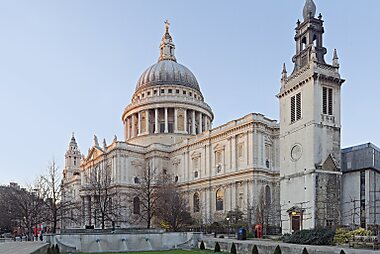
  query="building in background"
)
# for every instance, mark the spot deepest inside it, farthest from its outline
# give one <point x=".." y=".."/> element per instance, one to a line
<point x="361" y="186"/>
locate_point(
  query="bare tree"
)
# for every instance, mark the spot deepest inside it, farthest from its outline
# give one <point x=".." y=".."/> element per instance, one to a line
<point x="100" y="185"/>
<point x="145" y="192"/>
<point x="50" y="189"/>
<point x="265" y="210"/>
<point x="24" y="207"/>
<point x="172" y="207"/>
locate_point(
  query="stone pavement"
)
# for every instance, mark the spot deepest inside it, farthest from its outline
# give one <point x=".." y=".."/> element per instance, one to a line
<point x="20" y="247"/>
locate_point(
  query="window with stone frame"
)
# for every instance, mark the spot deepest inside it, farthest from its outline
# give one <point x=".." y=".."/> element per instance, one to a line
<point x="327" y="101"/>
<point x="268" y="155"/>
<point x="241" y="150"/>
<point x="219" y="199"/>
<point x="196" y="206"/>
<point x="136" y="205"/>
<point x="295" y="108"/>
<point x="218" y="157"/>
<point x="268" y="195"/>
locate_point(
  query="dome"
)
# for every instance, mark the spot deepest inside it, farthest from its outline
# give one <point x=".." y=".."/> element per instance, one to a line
<point x="309" y="10"/>
<point x="167" y="72"/>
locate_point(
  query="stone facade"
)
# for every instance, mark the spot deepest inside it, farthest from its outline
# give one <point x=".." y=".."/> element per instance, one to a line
<point x="310" y="131"/>
<point x="168" y="126"/>
<point x="295" y="165"/>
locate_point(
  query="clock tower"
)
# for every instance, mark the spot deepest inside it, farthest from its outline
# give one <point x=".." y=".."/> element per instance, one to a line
<point x="310" y="127"/>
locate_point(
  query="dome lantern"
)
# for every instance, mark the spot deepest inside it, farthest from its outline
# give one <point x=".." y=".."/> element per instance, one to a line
<point x="167" y="46"/>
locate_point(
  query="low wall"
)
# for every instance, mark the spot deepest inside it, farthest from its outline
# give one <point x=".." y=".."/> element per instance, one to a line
<point x="268" y="247"/>
<point x="116" y="242"/>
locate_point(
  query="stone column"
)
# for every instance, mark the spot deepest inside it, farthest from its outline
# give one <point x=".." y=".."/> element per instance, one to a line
<point x="128" y="130"/>
<point x="138" y="123"/>
<point x="175" y="121"/>
<point x="166" y="120"/>
<point x="200" y="122"/>
<point x="156" y="120"/>
<point x="185" y="120"/>
<point x="133" y="126"/>
<point x="193" y="123"/>
<point x="147" y="121"/>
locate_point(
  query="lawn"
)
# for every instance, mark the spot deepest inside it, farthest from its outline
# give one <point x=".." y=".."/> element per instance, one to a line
<point x="160" y="252"/>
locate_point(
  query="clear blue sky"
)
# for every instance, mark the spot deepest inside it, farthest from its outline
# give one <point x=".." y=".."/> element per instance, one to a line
<point x="72" y="66"/>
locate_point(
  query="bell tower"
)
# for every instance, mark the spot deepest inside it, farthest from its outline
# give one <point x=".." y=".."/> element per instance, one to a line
<point x="72" y="160"/>
<point x="310" y="127"/>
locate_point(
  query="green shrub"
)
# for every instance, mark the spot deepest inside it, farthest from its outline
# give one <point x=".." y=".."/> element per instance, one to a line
<point x="343" y="235"/>
<point x="318" y="236"/>
<point x="255" y="250"/>
<point x="305" y="251"/>
<point x="277" y="250"/>
<point x="233" y="249"/>
<point x="250" y="235"/>
<point x="342" y="252"/>
<point x="217" y="247"/>
<point x="202" y="246"/>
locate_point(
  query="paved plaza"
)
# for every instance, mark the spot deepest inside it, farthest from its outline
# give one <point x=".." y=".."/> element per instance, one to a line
<point x="20" y="247"/>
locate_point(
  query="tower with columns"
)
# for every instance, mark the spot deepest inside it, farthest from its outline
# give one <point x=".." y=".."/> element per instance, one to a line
<point x="310" y="126"/>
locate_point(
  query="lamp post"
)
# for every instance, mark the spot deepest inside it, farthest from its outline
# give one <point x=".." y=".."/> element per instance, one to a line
<point x="228" y="227"/>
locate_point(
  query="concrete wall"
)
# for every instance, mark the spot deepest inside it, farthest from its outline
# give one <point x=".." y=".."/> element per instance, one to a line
<point x="114" y="242"/>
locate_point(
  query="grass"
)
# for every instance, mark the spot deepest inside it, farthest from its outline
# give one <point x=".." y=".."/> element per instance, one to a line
<point x="159" y="252"/>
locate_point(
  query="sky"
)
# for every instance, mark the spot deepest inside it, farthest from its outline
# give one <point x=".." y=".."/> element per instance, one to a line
<point x="72" y="66"/>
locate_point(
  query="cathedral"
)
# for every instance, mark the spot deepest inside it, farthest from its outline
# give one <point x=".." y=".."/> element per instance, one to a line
<point x="294" y="165"/>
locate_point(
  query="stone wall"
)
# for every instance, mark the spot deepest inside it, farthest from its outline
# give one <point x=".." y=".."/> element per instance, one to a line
<point x="114" y="242"/>
<point x="268" y="247"/>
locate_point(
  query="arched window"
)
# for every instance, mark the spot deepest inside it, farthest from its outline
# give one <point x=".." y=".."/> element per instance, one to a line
<point x="196" y="202"/>
<point x="219" y="199"/>
<point x="268" y="196"/>
<point x="176" y="179"/>
<point x="136" y="180"/>
<point x="136" y="205"/>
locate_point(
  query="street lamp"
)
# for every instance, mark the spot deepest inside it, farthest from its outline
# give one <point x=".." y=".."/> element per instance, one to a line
<point x="228" y="229"/>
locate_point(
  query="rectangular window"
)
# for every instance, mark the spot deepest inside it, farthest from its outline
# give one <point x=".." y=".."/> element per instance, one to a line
<point x="162" y="91"/>
<point x="298" y="105"/>
<point x="327" y="101"/>
<point x="177" y="91"/>
<point x="170" y="91"/>
<point x="295" y="108"/>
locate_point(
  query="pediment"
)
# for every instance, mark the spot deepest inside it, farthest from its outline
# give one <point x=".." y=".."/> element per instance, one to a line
<point x="218" y="147"/>
<point x="295" y="209"/>
<point x="94" y="153"/>
<point x="136" y="163"/>
<point x="330" y="164"/>
<point x="176" y="161"/>
<point x="195" y="155"/>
